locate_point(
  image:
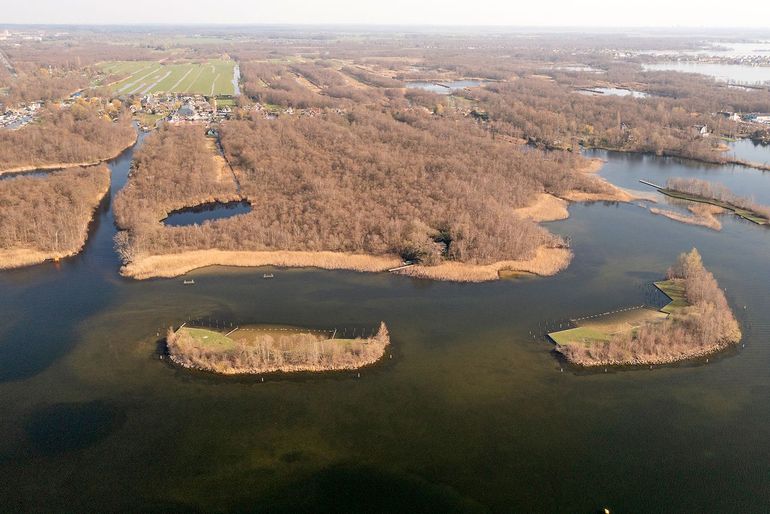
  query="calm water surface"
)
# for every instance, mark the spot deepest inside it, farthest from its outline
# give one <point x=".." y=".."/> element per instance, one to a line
<point x="206" y="212"/>
<point x="472" y="413"/>
<point x="444" y="87"/>
<point x="737" y="73"/>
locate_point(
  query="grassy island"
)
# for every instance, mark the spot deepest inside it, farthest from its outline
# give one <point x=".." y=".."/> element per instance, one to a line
<point x="260" y="349"/>
<point x="697" y="322"/>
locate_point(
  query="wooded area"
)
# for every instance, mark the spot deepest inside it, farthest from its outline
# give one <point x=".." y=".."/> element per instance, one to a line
<point x="48" y="215"/>
<point x="368" y="182"/>
<point x="65" y="137"/>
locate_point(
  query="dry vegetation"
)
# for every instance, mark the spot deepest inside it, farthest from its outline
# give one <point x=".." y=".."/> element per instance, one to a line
<point x="717" y="192"/>
<point x="253" y="352"/>
<point x="704" y="326"/>
<point x="47" y="217"/>
<point x="422" y="189"/>
<point x="702" y="214"/>
<point x="65" y="137"/>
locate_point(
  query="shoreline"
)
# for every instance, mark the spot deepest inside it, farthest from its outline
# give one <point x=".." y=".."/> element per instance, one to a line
<point x="658" y="361"/>
<point x="14" y="258"/>
<point x="65" y="165"/>
<point x="547" y="261"/>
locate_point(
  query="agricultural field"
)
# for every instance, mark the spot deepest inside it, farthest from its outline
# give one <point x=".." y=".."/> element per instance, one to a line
<point x="214" y="77"/>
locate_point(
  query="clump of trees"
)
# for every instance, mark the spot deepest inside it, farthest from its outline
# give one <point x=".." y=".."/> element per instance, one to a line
<point x="50" y="213"/>
<point x="705" y="326"/>
<point x="266" y="353"/>
<point x="82" y="134"/>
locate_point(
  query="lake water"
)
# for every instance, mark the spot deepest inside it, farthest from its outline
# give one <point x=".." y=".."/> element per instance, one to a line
<point x="206" y="212"/>
<point x="472" y="413"/>
<point x="737" y="73"/>
<point x="612" y="91"/>
<point x="444" y="88"/>
<point x="748" y="150"/>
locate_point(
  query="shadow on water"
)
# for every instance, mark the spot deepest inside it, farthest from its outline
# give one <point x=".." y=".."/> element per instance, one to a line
<point x="352" y="487"/>
<point x="64" y="427"/>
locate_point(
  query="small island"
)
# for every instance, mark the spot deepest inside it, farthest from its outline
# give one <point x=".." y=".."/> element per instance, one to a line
<point x="267" y="349"/>
<point x="705" y="199"/>
<point x="697" y="322"/>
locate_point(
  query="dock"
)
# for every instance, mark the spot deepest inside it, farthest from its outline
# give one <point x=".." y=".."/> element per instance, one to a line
<point x="647" y="183"/>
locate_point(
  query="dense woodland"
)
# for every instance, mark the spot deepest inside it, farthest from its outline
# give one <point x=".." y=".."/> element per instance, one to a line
<point x="50" y="213"/>
<point x="367" y="182"/>
<point x="705" y="326"/>
<point x="82" y="134"/>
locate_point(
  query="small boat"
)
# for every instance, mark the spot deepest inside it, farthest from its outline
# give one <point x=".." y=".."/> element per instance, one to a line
<point x="268" y="275"/>
<point x="189" y="282"/>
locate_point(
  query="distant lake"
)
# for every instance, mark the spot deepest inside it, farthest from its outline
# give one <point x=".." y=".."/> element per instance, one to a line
<point x="444" y="88"/>
<point x="205" y="212"/>
<point x="612" y="91"/>
<point x="739" y="73"/>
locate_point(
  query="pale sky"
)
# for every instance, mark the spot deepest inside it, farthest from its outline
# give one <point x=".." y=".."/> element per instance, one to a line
<point x="562" y="13"/>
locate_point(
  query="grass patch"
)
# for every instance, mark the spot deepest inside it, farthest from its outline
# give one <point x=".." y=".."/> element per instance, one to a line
<point x="674" y="289"/>
<point x="213" y="77"/>
<point x="209" y="339"/>
<point x="602" y="328"/>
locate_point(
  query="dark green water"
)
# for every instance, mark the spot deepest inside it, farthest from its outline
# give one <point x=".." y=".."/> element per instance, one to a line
<point x="472" y="413"/>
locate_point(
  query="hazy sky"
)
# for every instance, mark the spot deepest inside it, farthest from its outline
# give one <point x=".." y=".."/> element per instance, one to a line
<point x="598" y="13"/>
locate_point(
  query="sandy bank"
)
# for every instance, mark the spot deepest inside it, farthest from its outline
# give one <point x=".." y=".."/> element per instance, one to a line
<point x="703" y="215"/>
<point x="547" y="261"/>
<point x="175" y="264"/>
<point x="545" y="208"/>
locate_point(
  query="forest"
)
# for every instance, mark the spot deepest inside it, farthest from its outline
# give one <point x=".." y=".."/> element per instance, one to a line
<point x="704" y="326"/>
<point x="47" y="216"/>
<point x="367" y="182"/>
<point x="82" y="134"/>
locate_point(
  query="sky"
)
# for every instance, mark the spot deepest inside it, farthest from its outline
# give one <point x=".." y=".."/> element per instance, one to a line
<point x="537" y="13"/>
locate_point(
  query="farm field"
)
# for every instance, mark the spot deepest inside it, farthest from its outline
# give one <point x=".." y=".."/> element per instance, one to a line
<point x="213" y="77"/>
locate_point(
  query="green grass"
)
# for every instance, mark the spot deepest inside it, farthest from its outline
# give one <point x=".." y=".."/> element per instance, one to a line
<point x="213" y="77"/>
<point x="674" y="289"/>
<point x="602" y="328"/>
<point x="584" y="335"/>
<point x="210" y="339"/>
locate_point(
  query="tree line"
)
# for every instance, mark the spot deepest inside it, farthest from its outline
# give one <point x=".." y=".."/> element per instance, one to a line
<point x="67" y="136"/>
